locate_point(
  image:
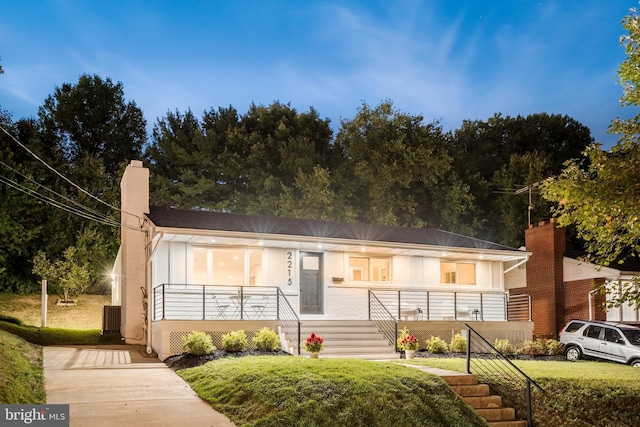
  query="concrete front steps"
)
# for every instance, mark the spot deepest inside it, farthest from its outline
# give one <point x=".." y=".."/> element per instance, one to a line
<point x="358" y="339"/>
<point x="477" y="396"/>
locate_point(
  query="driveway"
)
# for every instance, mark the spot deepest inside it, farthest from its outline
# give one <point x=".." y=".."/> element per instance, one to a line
<point x="119" y="386"/>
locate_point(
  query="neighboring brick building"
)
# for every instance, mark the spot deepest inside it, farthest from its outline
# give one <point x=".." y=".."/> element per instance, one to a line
<point x="561" y="288"/>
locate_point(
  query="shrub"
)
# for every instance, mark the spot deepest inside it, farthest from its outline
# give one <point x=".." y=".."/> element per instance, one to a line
<point x="554" y="348"/>
<point x="235" y="341"/>
<point x="198" y="343"/>
<point x="266" y="340"/>
<point x="458" y="344"/>
<point x="540" y="347"/>
<point x="436" y="345"/>
<point x="533" y="348"/>
<point x="503" y="346"/>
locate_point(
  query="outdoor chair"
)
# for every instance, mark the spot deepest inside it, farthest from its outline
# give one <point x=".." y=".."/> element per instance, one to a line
<point x="259" y="307"/>
<point x="222" y="308"/>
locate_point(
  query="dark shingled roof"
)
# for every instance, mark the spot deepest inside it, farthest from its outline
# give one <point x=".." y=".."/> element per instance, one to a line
<point x="266" y="225"/>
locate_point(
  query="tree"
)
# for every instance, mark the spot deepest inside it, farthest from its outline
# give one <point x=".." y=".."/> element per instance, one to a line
<point x="21" y="216"/>
<point x="68" y="277"/>
<point x="599" y="194"/>
<point x="235" y="163"/>
<point x="93" y="118"/>
<point x="483" y="149"/>
<point x="396" y="170"/>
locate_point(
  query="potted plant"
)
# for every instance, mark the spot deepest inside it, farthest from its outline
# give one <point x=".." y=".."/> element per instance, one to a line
<point x="313" y="344"/>
<point x="409" y="343"/>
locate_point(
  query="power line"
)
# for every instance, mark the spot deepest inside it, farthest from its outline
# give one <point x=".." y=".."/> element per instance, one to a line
<point x="55" y="203"/>
<point x="67" y="179"/>
<point x="94" y="213"/>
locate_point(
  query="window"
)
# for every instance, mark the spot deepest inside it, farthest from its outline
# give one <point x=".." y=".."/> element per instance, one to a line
<point x="592" y="331"/>
<point x="223" y="266"/>
<point x="369" y="269"/>
<point x="612" y="335"/>
<point x="573" y="327"/>
<point x="458" y="273"/>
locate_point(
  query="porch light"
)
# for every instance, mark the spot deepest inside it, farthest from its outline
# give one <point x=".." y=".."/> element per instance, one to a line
<point x="363" y="249"/>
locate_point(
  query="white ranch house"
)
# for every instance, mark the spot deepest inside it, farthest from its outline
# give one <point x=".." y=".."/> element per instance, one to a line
<point x="356" y="284"/>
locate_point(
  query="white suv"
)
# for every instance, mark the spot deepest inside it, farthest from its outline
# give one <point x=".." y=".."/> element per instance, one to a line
<point x="603" y="340"/>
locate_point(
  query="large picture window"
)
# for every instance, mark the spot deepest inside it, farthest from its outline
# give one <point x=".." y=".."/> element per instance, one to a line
<point x="369" y="269"/>
<point x="458" y="273"/>
<point x="227" y="266"/>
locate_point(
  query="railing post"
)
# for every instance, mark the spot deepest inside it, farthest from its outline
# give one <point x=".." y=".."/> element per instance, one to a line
<point x="299" y="339"/>
<point x="278" y="303"/>
<point x="481" y="308"/>
<point x="468" y="351"/>
<point x="396" y="336"/>
<point x="163" y="301"/>
<point x="528" y="399"/>
<point x="428" y="315"/>
<point x="399" y="309"/>
<point x="455" y="305"/>
<point x="241" y="302"/>
<point x="369" y="302"/>
<point x="203" y="303"/>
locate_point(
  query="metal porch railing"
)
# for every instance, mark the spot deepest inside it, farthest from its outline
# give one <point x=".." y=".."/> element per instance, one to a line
<point x="419" y="304"/>
<point x="519" y="307"/>
<point x="383" y="319"/>
<point x="496" y="370"/>
<point x="216" y="302"/>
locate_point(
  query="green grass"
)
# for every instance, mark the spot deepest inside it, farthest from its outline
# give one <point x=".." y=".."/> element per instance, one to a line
<point x="293" y="391"/>
<point x="21" y="379"/>
<point x="86" y="315"/>
<point x="583" y="393"/>
<point x="57" y="336"/>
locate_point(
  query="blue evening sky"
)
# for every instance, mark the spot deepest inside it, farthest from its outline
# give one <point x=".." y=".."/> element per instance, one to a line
<point x="443" y="59"/>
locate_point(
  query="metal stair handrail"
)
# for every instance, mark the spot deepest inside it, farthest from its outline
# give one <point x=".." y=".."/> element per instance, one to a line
<point x="383" y="319"/>
<point x="287" y="315"/>
<point x="500" y="373"/>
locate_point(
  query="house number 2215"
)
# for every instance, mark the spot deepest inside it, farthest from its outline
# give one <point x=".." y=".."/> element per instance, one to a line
<point x="289" y="268"/>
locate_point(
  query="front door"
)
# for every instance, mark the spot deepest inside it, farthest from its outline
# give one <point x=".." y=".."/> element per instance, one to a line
<point x="311" y="286"/>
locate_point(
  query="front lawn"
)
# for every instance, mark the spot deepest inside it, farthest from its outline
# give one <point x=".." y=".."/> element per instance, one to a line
<point x="21" y="379"/>
<point x="86" y="315"/>
<point x="578" y="394"/>
<point x="296" y="391"/>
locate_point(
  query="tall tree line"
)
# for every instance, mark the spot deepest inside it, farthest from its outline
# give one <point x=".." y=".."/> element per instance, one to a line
<point x="382" y="166"/>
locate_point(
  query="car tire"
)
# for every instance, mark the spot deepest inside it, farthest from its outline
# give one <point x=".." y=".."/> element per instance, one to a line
<point x="573" y="353"/>
<point x="635" y="363"/>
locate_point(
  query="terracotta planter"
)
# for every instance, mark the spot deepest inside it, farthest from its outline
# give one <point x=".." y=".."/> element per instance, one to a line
<point x="314" y="355"/>
<point x="409" y="354"/>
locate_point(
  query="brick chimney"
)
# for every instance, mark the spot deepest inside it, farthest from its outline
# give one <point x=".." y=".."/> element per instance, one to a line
<point x="547" y="244"/>
<point x="134" y="193"/>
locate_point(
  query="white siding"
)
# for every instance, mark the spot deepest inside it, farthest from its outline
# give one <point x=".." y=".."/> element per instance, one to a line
<point x="416" y="271"/>
<point x="347" y="303"/>
<point x="401" y="270"/>
<point x="516" y="278"/>
<point x="431" y="272"/>
<point x="161" y="263"/>
<point x="178" y="263"/>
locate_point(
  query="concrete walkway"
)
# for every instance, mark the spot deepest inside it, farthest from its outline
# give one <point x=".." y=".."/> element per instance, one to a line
<point x="117" y="386"/>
